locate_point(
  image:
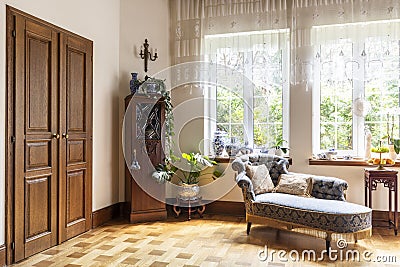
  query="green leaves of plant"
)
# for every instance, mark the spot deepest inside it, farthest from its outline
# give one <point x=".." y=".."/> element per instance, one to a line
<point x="396" y="143"/>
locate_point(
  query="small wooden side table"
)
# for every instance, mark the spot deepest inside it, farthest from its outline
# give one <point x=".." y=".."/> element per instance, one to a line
<point x="191" y="206"/>
<point x="388" y="178"/>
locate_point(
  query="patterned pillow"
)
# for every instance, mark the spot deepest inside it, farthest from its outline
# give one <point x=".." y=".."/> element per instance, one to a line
<point x="260" y="178"/>
<point x="294" y="184"/>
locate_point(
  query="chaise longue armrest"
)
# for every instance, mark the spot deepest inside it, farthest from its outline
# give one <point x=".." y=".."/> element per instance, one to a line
<point x="238" y="165"/>
<point x="245" y="183"/>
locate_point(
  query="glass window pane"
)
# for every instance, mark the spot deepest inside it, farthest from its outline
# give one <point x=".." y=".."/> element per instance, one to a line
<point x="256" y="67"/>
<point x="238" y="131"/>
<point x="327" y="136"/>
<point x="382" y="87"/>
<point x="344" y="136"/>
<point x="336" y="95"/>
<point x="237" y="110"/>
<point x="223" y="112"/>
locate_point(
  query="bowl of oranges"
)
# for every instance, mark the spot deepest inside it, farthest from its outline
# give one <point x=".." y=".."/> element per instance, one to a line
<point x="380" y="157"/>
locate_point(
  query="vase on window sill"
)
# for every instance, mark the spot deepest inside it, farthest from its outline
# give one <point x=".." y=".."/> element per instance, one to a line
<point x="392" y="152"/>
<point x="279" y="152"/>
<point x="219" y="142"/>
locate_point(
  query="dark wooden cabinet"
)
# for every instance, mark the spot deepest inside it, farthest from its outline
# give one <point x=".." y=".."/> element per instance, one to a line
<point x="144" y="118"/>
<point x="49" y="113"/>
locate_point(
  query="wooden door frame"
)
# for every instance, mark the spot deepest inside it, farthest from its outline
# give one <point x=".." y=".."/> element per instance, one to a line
<point x="10" y="118"/>
<point x="10" y="127"/>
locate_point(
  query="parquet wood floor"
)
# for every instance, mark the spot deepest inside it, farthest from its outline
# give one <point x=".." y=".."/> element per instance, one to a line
<point x="211" y="241"/>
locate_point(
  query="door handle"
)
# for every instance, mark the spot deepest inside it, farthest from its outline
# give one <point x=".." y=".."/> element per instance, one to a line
<point x="65" y="135"/>
<point x="55" y="135"/>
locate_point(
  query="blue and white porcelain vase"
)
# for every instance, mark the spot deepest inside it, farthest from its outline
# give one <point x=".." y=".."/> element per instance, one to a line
<point x="219" y="142"/>
<point x="133" y="84"/>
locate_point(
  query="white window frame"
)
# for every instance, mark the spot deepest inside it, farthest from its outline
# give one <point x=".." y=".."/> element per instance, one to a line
<point x="357" y="92"/>
<point x="210" y="103"/>
<point x="358" y="123"/>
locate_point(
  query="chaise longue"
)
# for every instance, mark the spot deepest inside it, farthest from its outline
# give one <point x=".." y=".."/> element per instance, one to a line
<point x="325" y="213"/>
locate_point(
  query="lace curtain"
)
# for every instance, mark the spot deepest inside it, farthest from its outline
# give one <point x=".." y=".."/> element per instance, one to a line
<point x="355" y="20"/>
<point x="191" y="20"/>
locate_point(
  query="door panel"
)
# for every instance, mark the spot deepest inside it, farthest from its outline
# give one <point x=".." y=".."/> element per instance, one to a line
<point x="76" y="151"/>
<point x="37" y="194"/>
<point x="38" y="154"/>
<point x="76" y="90"/>
<point x="76" y="180"/>
<point x="38" y="83"/>
<point x="36" y="157"/>
<point x="75" y="191"/>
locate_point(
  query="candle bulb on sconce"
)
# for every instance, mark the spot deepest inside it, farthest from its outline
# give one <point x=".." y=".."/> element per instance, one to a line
<point x="145" y="54"/>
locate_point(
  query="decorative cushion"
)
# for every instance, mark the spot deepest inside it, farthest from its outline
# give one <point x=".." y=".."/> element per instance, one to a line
<point x="260" y="178"/>
<point x="294" y="184"/>
<point x="329" y="187"/>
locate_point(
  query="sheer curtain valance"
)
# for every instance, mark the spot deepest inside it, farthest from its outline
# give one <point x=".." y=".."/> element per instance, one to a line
<point x="191" y="20"/>
<point x="315" y="22"/>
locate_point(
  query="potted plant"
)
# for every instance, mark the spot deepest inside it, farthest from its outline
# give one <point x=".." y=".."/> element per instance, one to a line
<point x="396" y="143"/>
<point x="278" y="149"/>
<point x="189" y="176"/>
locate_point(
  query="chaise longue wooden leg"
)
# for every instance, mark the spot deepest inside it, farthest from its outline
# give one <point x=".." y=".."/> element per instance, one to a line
<point x="328" y="242"/>
<point x="328" y="245"/>
<point x="248" y="228"/>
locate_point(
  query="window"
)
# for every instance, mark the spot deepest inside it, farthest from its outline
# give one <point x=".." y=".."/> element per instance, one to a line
<point x="356" y="88"/>
<point x="252" y="85"/>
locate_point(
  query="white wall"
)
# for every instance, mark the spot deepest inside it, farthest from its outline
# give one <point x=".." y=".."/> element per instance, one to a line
<point x="140" y="19"/>
<point x="97" y="20"/>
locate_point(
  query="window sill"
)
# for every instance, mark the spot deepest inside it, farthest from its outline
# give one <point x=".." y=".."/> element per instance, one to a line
<point x="230" y="159"/>
<point x="342" y="162"/>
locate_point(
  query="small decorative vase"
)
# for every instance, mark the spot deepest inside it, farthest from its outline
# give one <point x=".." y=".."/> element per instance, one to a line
<point x="133" y="84"/>
<point x="246" y="149"/>
<point x="392" y="152"/>
<point x="278" y="152"/>
<point x="368" y="138"/>
<point x="219" y="142"/>
<point x="232" y="148"/>
<point x="189" y="192"/>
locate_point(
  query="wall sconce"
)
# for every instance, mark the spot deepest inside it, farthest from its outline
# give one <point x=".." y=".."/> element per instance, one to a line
<point x="146" y="54"/>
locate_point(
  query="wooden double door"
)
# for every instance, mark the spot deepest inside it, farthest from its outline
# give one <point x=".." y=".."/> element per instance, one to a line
<point x="50" y="134"/>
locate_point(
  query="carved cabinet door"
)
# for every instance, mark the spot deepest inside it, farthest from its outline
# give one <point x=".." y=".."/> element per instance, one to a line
<point x="144" y="120"/>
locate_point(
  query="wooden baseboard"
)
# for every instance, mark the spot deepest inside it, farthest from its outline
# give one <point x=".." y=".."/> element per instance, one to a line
<point x="217" y="207"/>
<point x="226" y="208"/>
<point x="2" y="255"/>
<point x="106" y="214"/>
<point x="148" y="216"/>
<point x="381" y="215"/>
